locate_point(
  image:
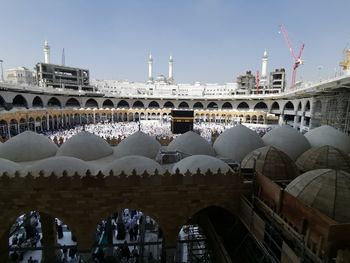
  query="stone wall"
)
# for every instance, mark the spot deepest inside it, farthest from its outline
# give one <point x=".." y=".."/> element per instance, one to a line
<point x="83" y="201"/>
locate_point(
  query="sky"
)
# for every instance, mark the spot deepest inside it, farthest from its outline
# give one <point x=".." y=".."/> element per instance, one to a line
<point x="211" y="40"/>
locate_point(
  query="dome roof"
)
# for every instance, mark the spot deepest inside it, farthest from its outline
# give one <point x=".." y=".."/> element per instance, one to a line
<point x="325" y="190"/>
<point x="237" y="142"/>
<point x="27" y="146"/>
<point x="9" y="167"/>
<point x="202" y="162"/>
<point x="85" y="146"/>
<point x="327" y="135"/>
<point x="272" y="163"/>
<point x="191" y="143"/>
<point x="288" y="140"/>
<point x="323" y="157"/>
<point x="140" y="144"/>
<point x="58" y="164"/>
<point x="129" y="163"/>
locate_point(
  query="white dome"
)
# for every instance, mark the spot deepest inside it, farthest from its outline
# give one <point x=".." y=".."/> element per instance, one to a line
<point x="327" y="135"/>
<point x="58" y="164"/>
<point x="191" y="143"/>
<point x="326" y="190"/>
<point x="9" y="167"/>
<point x="138" y="143"/>
<point x="202" y="162"/>
<point x="129" y="163"/>
<point x="288" y="140"/>
<point x="235" y="143"/>
<point x="27" y="146"/>
<point x="85" y="146"/>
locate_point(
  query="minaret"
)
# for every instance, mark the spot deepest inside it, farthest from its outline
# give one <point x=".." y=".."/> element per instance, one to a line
<point x="150" y="68"/>
<point x="171" y="62"/>
<point x="263" y="79"/>
<point x="47" y="52"/>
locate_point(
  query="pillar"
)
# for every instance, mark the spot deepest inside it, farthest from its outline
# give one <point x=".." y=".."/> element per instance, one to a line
<point x="4" y="244"/>
<point x="8" y="130"/>
<point x="79" y="118"/>
<point x="49" y="238"/>
<point x="170" y="253"/>
<point x="302" y="123"/>
<point x="295" y="121"/>
<point x="48" y="122"/>
<point x="94" y="116"/>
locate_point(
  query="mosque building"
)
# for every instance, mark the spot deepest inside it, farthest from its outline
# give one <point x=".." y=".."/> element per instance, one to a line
<point x="242" y="196"/>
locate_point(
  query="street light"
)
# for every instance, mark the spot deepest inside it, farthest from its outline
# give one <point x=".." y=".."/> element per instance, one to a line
<point x="2" y="71"/>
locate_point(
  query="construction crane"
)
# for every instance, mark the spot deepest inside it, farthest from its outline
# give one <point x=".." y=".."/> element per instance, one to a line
<point x="297" y="58"/>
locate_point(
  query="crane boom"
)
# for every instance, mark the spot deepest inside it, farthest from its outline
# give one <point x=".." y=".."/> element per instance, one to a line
<point x="297" y="59"/>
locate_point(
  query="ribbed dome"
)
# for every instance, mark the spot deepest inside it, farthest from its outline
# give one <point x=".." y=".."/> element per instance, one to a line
<point x="327" y="135"/>
<point x="322" y="158"/>
<point x="9" y="167"/>
<point x="272" y="163"/>
<point x="235" y="143"/>
<point x="191" y="143"/>
<point x="27" y="146"/>
<point x="58" y="164"/>
<point x="129" y="163"/>
<point x="85" y="146"/>
<point x="202" y="162"/>
<point x="140" y="144"/>
<point x="326" y="190"/>
<point x="288" y="140"/>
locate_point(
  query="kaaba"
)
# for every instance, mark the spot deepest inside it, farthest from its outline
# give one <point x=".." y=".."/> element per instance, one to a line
<point x="182" y="121"/>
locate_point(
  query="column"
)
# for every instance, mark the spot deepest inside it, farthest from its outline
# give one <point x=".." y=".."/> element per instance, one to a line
<point x="48" y="122"/>
<point x="302" y="123"/>
<point x="8" y="130"/>
<point x="4" y="244"/>
<point x="94" y="117"/>
<point x="49" y="238"/>
<point x="17" y="127"/>
<point x="112" y="117"/>
<point x="295" y="121"/>
<point x="170" y="252"/>
<point x="79" y="118"/>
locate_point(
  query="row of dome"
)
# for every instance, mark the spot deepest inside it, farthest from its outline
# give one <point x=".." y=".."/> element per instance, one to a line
<point x="235" y="143"/>
<point x="325" y="189"/>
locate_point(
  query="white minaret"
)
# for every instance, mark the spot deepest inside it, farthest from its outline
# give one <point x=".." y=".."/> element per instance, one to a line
<point x="263" y="79"/>
<point x="150" y="68"/>
<point x="47" y="52"/>
<point x="171" y="62"/>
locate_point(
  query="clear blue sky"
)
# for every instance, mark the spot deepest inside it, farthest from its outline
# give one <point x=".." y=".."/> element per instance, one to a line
<point x="211" y="40"/>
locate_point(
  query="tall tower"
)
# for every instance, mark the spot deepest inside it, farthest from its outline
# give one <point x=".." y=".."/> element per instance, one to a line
<point x="263" y="78"/>
<point x="171" y="62"/>
<point x="150" y="68"/>
<point x="47" y="52"/>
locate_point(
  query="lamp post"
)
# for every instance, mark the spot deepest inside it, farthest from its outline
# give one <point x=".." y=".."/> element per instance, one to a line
<point x="2" y="71"/>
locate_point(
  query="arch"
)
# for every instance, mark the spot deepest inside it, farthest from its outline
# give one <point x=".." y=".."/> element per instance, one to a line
<point x="183" y="105"/>
<point x="19" y="101"/>
<point x="37" y="102"/>
<point x="243" y="106"/>
<point x="227" y="105"/>
<point x="53" y="102"/>
<point x="260" y="106"/>
<point x="153" y="104"/>
<point x="107" y="104"/>
<point x="198" y="105"/>
<point x="275" y="106"/>
<point x="318" y="106"/>
<point x="123" y="224"/>
<point x="212" y="105"/>
<point x="307" y="106"/>
<point x="289" y="106"/>
<point x="168" y="104"/>
<point x="72" y="102"/>
<point x="138" y="104"/>
<point x="91" y="103"/>
<point x="123" y="104"/>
